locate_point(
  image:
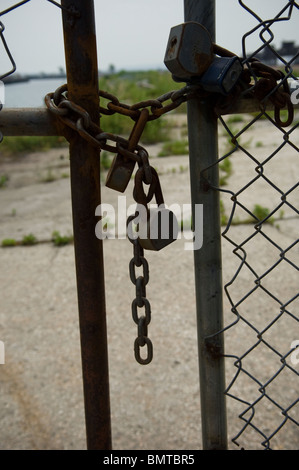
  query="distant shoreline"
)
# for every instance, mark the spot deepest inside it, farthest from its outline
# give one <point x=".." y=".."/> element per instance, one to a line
<point x="26" y="78"/>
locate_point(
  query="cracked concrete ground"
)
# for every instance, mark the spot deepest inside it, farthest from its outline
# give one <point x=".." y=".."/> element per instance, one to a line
<point x="156" y="406"/>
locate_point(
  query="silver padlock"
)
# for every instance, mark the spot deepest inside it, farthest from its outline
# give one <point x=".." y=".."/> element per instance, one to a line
<point x="189" y="50"/>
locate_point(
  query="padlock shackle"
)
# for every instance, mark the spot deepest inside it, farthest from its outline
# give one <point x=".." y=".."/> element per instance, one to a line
<point x="154" y="188"/>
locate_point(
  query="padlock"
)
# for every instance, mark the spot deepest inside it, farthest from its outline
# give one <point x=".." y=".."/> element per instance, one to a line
<point x="157" y="227"/>
<point x="189" y="50"/>
<point x="122" y="167"/>
<point x="120" y="172"/>
<point x="221" y="76"/>
<point x="190" y="58"/>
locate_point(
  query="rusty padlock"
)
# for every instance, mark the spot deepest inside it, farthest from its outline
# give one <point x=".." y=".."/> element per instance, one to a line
<point x="189" y="50"/>
<point x="121" y="169"/>
<point x="190" y="58"/>
<point x="157" y="226"/>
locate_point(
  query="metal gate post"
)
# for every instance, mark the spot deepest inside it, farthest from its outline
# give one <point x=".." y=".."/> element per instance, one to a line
<point x="203" y="148"/>
<point x="83" y="89"/>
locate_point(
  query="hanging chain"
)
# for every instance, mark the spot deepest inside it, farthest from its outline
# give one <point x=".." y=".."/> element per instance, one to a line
<point x="144" y="175"/>
<point x="140" y="300"/>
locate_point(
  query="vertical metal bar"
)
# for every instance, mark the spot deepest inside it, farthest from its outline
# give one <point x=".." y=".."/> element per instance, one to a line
<point x="82" y="79"/>
<point x="203" y="147"/>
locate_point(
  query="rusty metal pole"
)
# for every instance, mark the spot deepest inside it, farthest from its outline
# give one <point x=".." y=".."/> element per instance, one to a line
<point x="82" y="80"/>
<point x="203" y="149"/>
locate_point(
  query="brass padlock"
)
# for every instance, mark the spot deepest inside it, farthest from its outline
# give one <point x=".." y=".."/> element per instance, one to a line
<point x="122" y="167"/>
<point x="157" y="227"/>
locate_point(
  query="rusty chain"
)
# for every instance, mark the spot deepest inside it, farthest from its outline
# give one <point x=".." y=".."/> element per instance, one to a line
<point x="140" y="300"/>
<point x="268" y="83"/>
<point x="79" y="120"/>
<point x="145" y="175"/>
<point x="279" y="93"/>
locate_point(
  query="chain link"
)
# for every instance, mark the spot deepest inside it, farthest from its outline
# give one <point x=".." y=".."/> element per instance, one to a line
<point x="144" y="175"/>
<point x="260" y="82"/>
<point x="268" y="84"/>
<point x="140" y="300"/>
<point x="142" y="198"/>
<point x="157" y="106"/>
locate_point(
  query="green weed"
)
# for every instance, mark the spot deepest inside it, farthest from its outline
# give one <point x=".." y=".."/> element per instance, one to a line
<point x="49" y="177"/>
<point x="26" y="144"/>
<point x="61" y="240"/>
<point x="226" y="167"/>
<point x="106" y="160"/>
<point x="8" y="242"/>
<point x="131" y="88"/>
<point x="176" y="147"/>
<point x="223" y="216"/>
<point x="3" y="180"/>
<point x="29" y="239"/>
<point x="235" y="118"/>
<point x="262" y="213"/>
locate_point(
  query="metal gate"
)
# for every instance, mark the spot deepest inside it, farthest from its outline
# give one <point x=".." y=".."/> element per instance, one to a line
<point x="247" y="212"/>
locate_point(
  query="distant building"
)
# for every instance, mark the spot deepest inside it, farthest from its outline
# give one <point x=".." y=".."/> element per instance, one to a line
<point x="288" y="51"/>
<point x="267" y="55"/>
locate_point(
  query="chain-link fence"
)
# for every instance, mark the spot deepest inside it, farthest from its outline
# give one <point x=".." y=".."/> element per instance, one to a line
<point x="260" y="215"/>
<point x="258" y="142"/>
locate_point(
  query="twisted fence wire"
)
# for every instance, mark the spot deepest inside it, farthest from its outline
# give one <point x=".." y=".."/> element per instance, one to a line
<point x="4" y="74"/>
<point x="261" y="295"/>
<point x="11" y="8"/>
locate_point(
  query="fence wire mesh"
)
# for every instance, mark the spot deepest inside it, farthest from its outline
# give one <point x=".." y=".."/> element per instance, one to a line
<point x="260" y="213"/>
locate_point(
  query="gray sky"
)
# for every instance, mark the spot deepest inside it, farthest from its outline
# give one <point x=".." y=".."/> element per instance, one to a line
<point x="131" y="34"/>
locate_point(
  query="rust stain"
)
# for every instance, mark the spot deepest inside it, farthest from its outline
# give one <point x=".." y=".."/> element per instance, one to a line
<point x="202" y="61"/>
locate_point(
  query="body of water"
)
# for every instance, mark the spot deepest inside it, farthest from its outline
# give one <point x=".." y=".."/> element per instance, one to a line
<point x="30" y="94"/>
